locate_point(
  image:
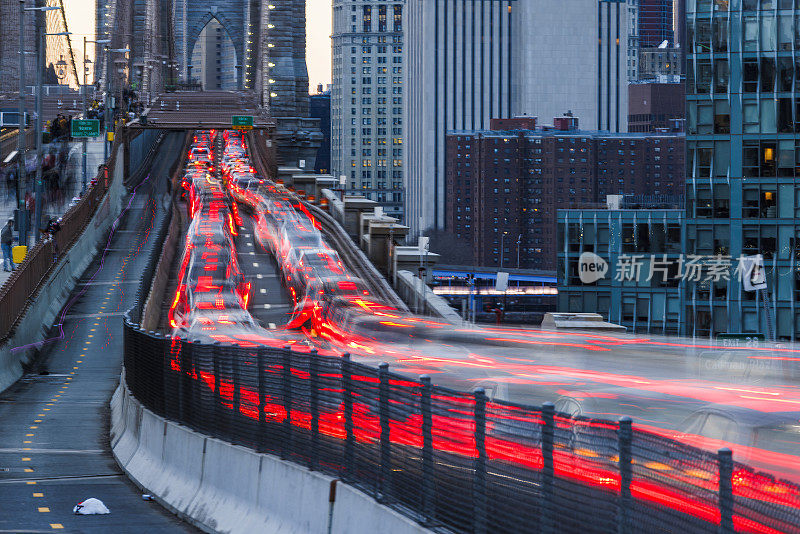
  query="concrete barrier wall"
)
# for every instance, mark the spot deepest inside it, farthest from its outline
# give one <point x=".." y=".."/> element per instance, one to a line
<point x="408" y="287"/>
<point x="220" y="487"/>
<point x="141" y="146"/>
<point x="35" y="326"/>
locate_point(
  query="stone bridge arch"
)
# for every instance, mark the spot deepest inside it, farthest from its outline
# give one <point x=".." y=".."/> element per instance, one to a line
<point x="193" y="15"/>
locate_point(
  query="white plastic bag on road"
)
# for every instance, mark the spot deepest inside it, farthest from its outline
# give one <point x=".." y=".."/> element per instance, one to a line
<point x="91" y="506"/>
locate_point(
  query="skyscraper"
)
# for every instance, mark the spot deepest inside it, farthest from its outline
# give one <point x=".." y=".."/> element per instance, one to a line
<point x="742" y="157"/>
<point x="367" y="131"/>
<point x="573" y="57"/>
<point x="470" y="62"/>
<point x="655" y="23"/>
<point x="460" y="76"/>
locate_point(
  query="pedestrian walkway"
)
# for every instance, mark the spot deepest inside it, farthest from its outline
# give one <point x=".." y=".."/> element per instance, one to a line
<point x="71" y="185"/>
<point x="54" y="449"/>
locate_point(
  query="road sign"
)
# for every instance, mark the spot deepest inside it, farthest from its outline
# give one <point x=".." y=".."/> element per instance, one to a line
<point x="242" y="122"/>
<point x="502" y="281"/>
<point x="85" y="127"/>
<point x="741" y="339"/>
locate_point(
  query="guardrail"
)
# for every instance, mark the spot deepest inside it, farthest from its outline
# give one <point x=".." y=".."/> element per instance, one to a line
<point x="451" y="460"/>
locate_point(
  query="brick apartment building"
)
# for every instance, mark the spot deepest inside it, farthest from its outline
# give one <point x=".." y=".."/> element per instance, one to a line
<point x="504" y="186"/>
<point x="656" y="107"/>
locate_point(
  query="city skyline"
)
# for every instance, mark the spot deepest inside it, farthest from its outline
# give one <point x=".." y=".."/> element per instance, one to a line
<point x="81" y="22"/>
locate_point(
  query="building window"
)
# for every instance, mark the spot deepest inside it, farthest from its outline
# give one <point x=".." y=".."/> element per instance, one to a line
<point x="398" y="18"/>
<point x="382" y="19"/>
<point x="367" y="18"/>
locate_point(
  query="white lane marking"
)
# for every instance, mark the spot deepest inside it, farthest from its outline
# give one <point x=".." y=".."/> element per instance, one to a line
<point x="263" y="290"/>
<point x="267" y="306"/>
<point x="255" y="264"/>
<point x="272" y="326"/>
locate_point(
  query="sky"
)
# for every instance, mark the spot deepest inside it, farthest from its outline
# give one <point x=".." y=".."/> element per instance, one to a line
<point x="80" y="19"/>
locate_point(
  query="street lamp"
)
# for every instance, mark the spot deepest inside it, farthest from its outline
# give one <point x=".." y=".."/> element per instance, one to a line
<point x="39" y="98"/>
<point x="61" y="68"/>
<point x="502" y="238"/>
<point x="84" y="90"/>
<point x="21" y="182"/>
<point x="109" y="96"/>
<point x="519" y="242"/>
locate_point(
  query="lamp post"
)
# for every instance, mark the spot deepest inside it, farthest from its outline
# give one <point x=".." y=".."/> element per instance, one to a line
<point x="41" y="36"/>
<point x="109" y="117"/>
<point x="85" y="106"/>
<point x="21" y="114"/>
<point x="21" y="182"/>
<point x="39" y="99"/>
<point x="519" y="243"/>
<point x="502" y="238"/>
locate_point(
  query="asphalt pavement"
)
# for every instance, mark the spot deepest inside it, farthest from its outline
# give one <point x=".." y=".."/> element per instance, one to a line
<point x="54" y="423"/>
<point x="269" y="301"/>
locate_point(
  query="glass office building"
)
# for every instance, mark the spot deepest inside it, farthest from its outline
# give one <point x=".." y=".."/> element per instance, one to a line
<point x="642" y="248"/>
<point x="743" y="155"/>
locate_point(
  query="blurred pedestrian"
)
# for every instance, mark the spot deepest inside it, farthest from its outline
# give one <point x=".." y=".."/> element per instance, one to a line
<point x="6" y="240"/>
<point x="11" y="183"/>
<point x="498" y="313"/>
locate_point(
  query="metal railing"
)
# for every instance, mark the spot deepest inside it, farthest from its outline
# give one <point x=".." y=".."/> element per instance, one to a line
<point x="453" y="461"/>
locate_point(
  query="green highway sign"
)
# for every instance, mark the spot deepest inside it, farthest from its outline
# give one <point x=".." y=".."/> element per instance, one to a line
<point x="741" y="339"/>
<point x="242" y="122"/>
<point x="85" y="127"/>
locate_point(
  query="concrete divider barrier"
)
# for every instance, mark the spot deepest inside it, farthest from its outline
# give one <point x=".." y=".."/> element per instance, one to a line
<point x="428" y="302"/>
<point x="183" y="466"/>
<point x="221" y="487"/>
<point x="221" y="502"/>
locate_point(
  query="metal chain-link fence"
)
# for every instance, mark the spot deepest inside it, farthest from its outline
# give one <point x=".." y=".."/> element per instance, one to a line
<point x="451" y="460"/>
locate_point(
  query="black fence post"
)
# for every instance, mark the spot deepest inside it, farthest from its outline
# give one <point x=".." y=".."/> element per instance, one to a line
<point x="200" y="402"/>
<point x="313" y="374"/>
<point x="725" y="457"/>
<point x="286" y="444"/>
<point x="479" y="483"/>
<point x="172" y="380"/>
<point x="548" y="433"/>
<point x="383" y="404"/>
<point x="262" y="397"/>
<point x="624" y="441"/>
<point x="187" y="363"/>
<point x="216" y="351"/>
<point x="236" y="377"/>
<point x="428" y="502"/>
<point x="347" y="392"/>
<point x="160" y="365"/>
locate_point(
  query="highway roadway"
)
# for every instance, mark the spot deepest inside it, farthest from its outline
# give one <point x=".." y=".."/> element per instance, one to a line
<point x="269" y="301"/>
<point x="54" y="449"/>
